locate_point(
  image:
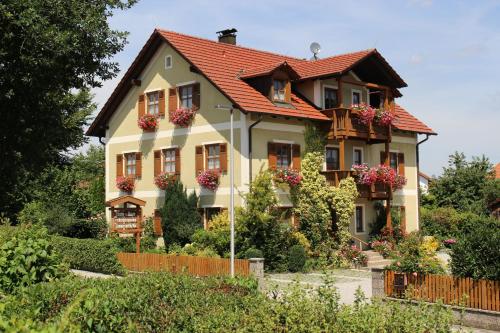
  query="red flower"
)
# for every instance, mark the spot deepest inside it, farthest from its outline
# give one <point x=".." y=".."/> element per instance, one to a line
<point x="381" y="174"/>
<point x="287" y="176"/>
<point x="209" y="179"/>
<point x="366" y="113"/>
<point x="164" y="179"/>
<point x="182" y="117"/>
<point x="148" y="122"/>
<point x="125" y="184"/>
<point x="385" y="117"/>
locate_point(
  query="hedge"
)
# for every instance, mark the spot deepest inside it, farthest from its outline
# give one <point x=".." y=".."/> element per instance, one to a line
<point x="89" y="254"/>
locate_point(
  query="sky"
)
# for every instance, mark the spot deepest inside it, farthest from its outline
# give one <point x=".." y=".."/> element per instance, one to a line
<point x="448" y="52"/>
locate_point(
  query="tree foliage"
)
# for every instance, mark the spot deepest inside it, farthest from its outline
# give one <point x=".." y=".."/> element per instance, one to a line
<point x="51" y="53"/>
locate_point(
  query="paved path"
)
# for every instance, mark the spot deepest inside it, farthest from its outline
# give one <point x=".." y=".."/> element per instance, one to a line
<point x="88" y="274"/>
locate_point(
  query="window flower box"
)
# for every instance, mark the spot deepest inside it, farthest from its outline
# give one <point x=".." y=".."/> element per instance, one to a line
<point x="366" y="113"/>
<point x="125" y="184"/>
<point x="287" y="176"/>
<point x="209" y="179"/>
<point x="148" y="122"/>
<point x="164" y="179"/>
<point x="381" y="174"/>
<point x="183" y="117"/>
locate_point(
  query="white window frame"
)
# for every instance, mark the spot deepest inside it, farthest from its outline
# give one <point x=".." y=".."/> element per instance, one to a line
<point x="168" y="56"/>
<point x="324" y="154"/>
<point x="206" y="157"/>
<point x="362" y="154"/>
<point x="354" y="90"/>
<point x="164" y="160"/>
<point x="134" y="164"/>
<point x="363" y="208"/>
<point x="325" y="86"/>
<point x="156" y="103"/>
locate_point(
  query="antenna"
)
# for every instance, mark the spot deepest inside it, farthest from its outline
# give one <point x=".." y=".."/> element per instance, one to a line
<point x="315" y="49"/>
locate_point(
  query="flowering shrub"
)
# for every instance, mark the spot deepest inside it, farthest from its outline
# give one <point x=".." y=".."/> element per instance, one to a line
<point x="164" y="179"/>
<point x="354" y="255"/>
<point x="366" y="113"/>
<point x="381" y="174"/>
<point x="209" y="179"/>
<point x="287" y="176"/>
<point x="125" y="184"/>
<point x="182" y="116"/>
<point x="148" y="122"/>
<point x="385" y="117"/>
<point x="384" y="247"/>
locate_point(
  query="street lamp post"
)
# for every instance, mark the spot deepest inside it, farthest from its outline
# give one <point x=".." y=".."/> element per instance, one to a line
<point x="231" y="181"/>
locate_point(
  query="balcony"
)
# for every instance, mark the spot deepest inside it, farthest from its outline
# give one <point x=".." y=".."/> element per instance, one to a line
<point x="373" y="192"/>
<point x="346" y="125"/>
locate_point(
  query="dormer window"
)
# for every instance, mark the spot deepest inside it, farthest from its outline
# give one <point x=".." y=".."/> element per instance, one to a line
<point x="279" y="88"/>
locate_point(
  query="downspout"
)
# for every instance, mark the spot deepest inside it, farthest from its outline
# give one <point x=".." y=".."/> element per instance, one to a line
<point x="100" y="141"/>
<point x="250" y="158"/>
<point x="418" y="180"/>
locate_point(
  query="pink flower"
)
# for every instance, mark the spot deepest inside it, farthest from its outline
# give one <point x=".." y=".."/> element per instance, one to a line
<point x="398" y="264"/>
<point x="164" y="179"/>
<point x="385" y="117"/>
<point x="287" y="176"/>
<point x="414" y="274"/>
<point x="125" y="184"/>
<point x="183" y="116"/>
<point x="209" y="179"/>
<point x="148" y="122"/>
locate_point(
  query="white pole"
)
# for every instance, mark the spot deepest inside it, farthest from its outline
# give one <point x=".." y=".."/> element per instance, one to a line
<point x="231" y="194"/>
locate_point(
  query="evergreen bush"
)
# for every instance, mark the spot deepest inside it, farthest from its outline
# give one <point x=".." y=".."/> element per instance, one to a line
<point x="253" y="253"/>
<point x="297" y="257"/>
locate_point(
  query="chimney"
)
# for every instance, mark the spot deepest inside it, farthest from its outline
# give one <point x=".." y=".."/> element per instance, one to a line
<point x="227" y="36"/>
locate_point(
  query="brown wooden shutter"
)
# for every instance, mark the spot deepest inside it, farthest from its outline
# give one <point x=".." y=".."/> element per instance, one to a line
<point x="142" y="105"/>
<point x="119" y="165"/>
<point x="382" y="157"/>
<point x="288" y="92"/>
<point x="271" y="154"/>
<point x="401" y="164"/>
<point x="161" y="102"/>
<point x="296" y="156"/>
<point x="157" y="229"/>
<point x="196" y="96"/>
<point x="198" y="159"/>
<point x="172" y="99"/>
<point x="138" y="165"/>
<point x="223" y="157"/>
<point x="177" y="161"/>
<point x="157" y="162"/>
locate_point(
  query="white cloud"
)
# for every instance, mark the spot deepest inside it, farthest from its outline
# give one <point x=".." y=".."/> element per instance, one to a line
<point x="416" y="59"/>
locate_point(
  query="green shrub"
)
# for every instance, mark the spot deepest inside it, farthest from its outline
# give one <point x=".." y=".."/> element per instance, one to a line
<point x="443" y="222"/>
<point x="297" y="257"/>
<point x="217" y="237"/>
<point x="477" y="250"/>
<point x="127" y="244"/>
<point x="253" y="253"/>
<point x="89" y="254"/>
<point x="28" y="258"/>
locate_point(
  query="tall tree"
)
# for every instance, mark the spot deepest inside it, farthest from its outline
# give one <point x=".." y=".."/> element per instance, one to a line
<point x="52" y="53"/>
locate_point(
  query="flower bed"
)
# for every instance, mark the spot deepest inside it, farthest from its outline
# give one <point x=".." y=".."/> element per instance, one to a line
<point x="125" y="184"/>
<point x="287" y="176"/>
<point x="148" y="122"/>
<point x="209" y="179"/>
<point x="380" y="174"/>
<point x="164" y="179"/>
<point x="182" y="117"/>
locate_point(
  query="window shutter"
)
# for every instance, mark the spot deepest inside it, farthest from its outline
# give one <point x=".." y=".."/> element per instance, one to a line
<point x="382" y="157"/>
<point x="142" y="105"/>
<point x="172" y="100"/>
<point x="157" y="229"/>
<point x="177" y="162"/>
<point x="119" y="165"/>
<point x="199" y="160"/>
<point x="196" y="95"/>
<point x="288" y="92"/>
<point x="296" y="156"/>
<point x="157" y="162"/>
<point x="138" y="165"/>
<point x="161" y="102"/>
<point x="223" y="157"/>
<point x="271" y="154"/>
<point x="401" y="164"/>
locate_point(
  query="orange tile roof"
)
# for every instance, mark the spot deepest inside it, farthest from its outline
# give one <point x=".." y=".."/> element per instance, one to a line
<point x="224" y="65"/>
<point x="497" y="171"/>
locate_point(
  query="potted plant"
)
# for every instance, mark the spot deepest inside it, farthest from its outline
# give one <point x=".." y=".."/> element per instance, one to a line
<point x="366" y="113"/>
<point x="291" y="177"/>
<point x="148" y="122"/>
<point x="209" y="179"/>
<point x="125" y="184"/>
<point x="164" y="179"/>
<point x="381" y="174"/>
<point x="182" y="117"/>
<point x="385" y="117"/>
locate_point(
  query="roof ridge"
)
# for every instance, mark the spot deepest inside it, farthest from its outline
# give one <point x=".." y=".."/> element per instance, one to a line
<point x="230" y="45"/>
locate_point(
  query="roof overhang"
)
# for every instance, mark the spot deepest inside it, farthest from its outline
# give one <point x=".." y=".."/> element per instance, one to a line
<point x="125" y="199"/>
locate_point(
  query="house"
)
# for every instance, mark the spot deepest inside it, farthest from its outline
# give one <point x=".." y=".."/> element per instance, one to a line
<point x="274" y="96"/>
<point x="423" y="182"/>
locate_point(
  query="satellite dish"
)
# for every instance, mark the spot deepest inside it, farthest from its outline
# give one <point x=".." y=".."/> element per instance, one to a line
<point x="315" y="49"/>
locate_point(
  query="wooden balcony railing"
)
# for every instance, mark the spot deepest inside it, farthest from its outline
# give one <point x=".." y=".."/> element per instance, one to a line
<point x="372" y="192"/>
<point x="346" y="124"/>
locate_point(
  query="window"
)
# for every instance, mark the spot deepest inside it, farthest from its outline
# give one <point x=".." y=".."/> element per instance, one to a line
<point x="169" y="160"/>
<point x="283" y="155"/>
<point x="332" y="158"/>
<point x="393" y="161"/>
<point x="358" y="216"/>
<point x="279" y="87"/>
<point x="211" y="212"/>
<point x="356" y="97"/>
<point x="186" y="96"/>
<point x="358" y="156"/>
<point x="213" y="157"/>
<point x="130" y="164"/>
<point x="153" y="102"/>
<point x="168" y="61"/>
<point x="330" y="98"/>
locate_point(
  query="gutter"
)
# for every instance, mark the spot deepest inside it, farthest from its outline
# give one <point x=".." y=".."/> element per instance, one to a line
<point x="250" y="146"/>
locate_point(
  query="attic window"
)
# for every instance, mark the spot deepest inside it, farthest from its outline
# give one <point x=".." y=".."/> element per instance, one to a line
<point x="279" y="87"/>
<point x="168" y="61"/>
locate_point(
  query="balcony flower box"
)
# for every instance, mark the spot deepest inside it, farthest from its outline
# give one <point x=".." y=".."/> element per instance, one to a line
<point x="182" y="117"/>
<point x="164" y="179"/>
<point x="381" y="174"/>
<point x="366" y="113"/>
<point x="290" y="177"/>
<point x="125" y="184"/>
<point x="209" y="179"/>
<point x="385" y="117"/>
<point x="148" y="122"/>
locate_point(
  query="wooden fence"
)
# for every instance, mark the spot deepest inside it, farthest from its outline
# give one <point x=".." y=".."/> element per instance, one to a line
<point x="478" y="294"/>
<point x="198" y="266"/>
